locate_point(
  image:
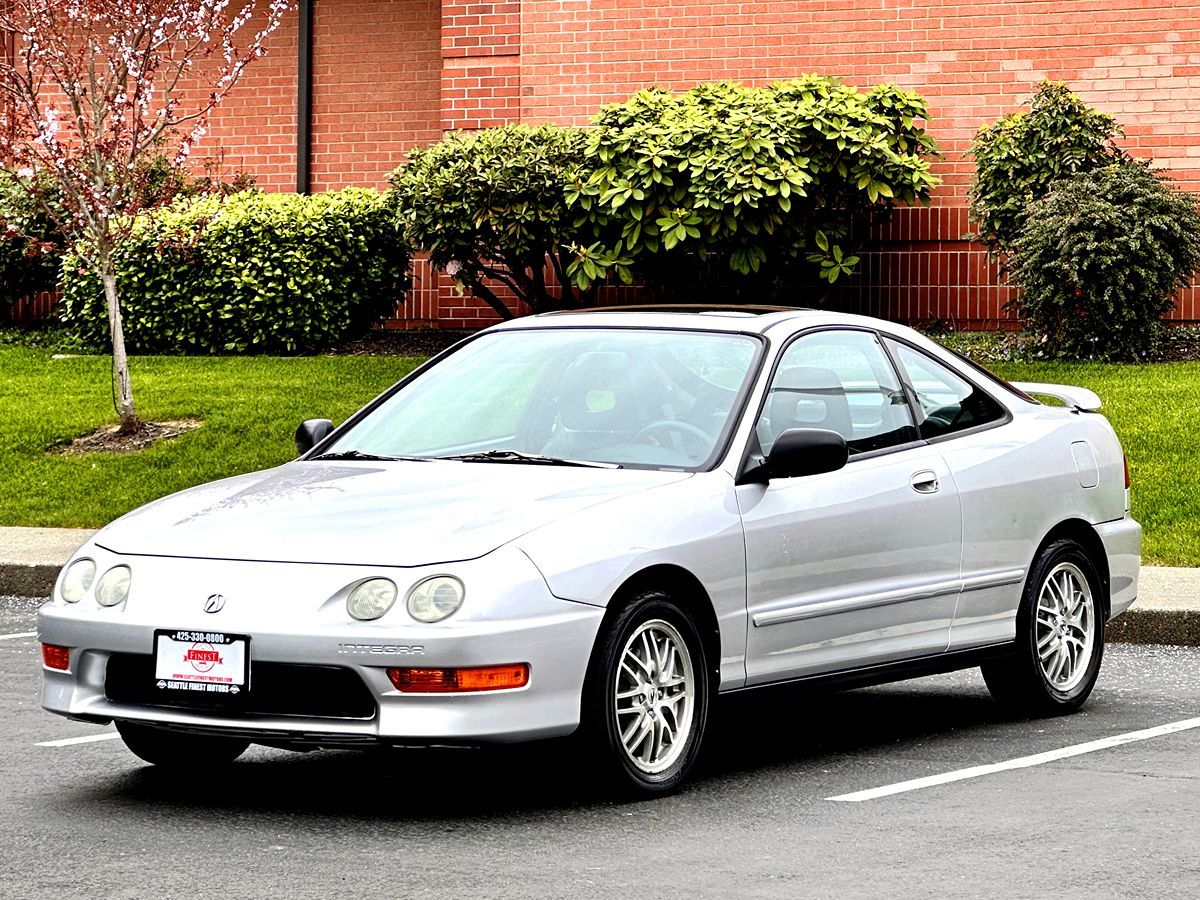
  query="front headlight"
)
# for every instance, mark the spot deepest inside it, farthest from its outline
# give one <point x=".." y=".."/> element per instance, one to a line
<point x="77" y="579"/>
<point x="113" y="587"/>
<point x="435" y="598"/>
<point x="371" y="599"/>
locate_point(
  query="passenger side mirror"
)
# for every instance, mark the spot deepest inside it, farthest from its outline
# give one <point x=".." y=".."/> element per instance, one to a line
<point x="806" y="451"/>
<point x="310" y="433"/>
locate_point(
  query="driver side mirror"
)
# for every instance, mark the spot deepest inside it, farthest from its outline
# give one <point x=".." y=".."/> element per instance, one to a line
<point x="310" y="433"/>
<point x="806" y="451"/>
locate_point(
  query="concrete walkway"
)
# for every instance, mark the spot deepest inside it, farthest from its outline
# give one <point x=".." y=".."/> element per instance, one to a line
<point x="1167" y="610"/>
<point x="31" y="557"/>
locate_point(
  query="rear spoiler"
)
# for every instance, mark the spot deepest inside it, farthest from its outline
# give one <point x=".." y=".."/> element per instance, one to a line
<point x="1080" y="398"/>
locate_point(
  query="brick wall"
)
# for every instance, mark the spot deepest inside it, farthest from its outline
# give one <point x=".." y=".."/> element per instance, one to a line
<point x="390" y="74"/>
<point x="376" y="95"/>
<point x="376" y="82"/>
<point x="971" y="61"/>
<point x="254" y="128"/>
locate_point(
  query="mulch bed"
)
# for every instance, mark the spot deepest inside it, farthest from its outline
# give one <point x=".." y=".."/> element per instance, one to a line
<point x="388" y="342"/>
<point x="1182" y="344"/>
<point x="107" y="439"/>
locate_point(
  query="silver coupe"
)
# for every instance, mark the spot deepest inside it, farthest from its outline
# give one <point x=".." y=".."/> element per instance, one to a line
<point x="590" y="524"/>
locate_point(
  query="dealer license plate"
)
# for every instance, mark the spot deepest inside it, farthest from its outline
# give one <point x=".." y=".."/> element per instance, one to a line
<point x="209" y="663"/>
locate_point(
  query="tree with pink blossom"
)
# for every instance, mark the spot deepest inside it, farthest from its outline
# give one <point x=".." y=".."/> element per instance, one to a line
<point x="92" y="91"/>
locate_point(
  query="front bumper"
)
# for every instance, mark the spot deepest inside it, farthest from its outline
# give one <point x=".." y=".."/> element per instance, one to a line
<point x="298" y="617"/>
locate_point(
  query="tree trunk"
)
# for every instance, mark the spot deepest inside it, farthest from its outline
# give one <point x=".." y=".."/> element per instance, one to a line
<point x="123" y="394"/>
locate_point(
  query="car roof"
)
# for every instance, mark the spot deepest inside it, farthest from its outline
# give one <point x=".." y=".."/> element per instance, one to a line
<point x="731" y="318"/>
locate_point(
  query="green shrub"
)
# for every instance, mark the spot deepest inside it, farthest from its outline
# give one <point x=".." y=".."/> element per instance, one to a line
<point x="1019" y="157"/>
<point x="745" y="184"/>
<point x="723" y="187"/>
<point x="29" y="250"/>
<point x="30" y="243"/>
<point x="252" y="272"/>
<point x="490" y="205"/>
<point x="1099" y="259"/>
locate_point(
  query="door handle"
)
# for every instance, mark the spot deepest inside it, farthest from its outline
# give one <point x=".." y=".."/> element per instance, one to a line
<point x="925" y="482"/>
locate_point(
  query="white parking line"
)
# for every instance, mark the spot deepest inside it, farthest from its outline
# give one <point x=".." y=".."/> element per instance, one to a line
<point x="86" y="739"/>
<point x="1023" y="762"/>
<point x="13" y="637"/>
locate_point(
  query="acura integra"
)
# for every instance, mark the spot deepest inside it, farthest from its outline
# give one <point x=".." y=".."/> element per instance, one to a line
<point x="588" y="524"/>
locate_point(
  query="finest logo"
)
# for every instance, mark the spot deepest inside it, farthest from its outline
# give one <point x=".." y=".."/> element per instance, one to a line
<point x="203" y="657"/>
<point x="215" y="603"/>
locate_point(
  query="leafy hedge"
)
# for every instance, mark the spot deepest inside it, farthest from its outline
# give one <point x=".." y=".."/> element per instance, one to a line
<point x="723" y="187"/>
<point x="251" y="272"/>
<point x="1099" y="259"/>
<point x="1019" y="157"/>
<point x="738" y="180"/>
<point x="29" y="251"/>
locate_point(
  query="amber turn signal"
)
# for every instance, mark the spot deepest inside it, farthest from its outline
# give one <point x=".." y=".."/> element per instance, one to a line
<point x="55" y="657"/>
<point x="456" y="681"/>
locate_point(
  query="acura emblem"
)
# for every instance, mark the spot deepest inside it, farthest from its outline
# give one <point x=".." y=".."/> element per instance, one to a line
<point x="215" y="603"/>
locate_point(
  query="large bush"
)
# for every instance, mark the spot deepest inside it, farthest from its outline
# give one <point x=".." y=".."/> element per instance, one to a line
<point x="1099" y="259"/>
<point x="722" y="187"/>
<point x="490" y="205"/>
<point x="29" y="247"/>
<point x="1019" y="157"/>
<point x="252" y="272"/>
<point x="736" y="182"/>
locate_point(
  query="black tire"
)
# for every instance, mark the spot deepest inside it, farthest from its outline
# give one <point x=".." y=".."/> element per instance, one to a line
<point x="178" y="750"/>
<point x="1019" y="681"/>
<point x="659" y="615"/>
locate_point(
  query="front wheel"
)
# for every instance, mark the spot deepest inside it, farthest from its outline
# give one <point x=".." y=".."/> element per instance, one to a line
<point x="646" y="698"/>
<point x="1060" y="636"/>
<point x="178" y="750"/>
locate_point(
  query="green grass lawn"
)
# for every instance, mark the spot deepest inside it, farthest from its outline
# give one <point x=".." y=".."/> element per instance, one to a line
<point x="1156" y="412"/>
<point x="251" y="406"/>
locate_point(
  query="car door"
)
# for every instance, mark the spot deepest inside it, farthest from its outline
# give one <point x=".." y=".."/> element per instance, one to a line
<point x="999" y="477"/>
<point x="854" y="567"/>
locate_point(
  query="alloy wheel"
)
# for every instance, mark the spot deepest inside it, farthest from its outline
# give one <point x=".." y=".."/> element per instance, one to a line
<point x="1065" y="629"/>
<point x="654" y="696"/>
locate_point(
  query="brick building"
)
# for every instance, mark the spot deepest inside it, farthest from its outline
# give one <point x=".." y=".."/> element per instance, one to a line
<point x="390" y="74"/>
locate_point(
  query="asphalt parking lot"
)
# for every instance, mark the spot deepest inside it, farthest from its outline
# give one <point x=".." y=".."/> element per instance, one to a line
<point x="80" y="816"/>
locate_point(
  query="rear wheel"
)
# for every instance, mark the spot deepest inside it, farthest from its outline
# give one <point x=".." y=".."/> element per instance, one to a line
<point x="1060" y="636"/>
<point x="646" y="698"/>
<point x="177" y="750"/>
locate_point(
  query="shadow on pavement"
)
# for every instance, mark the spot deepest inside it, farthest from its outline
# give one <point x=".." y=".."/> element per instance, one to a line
<point x="777" y="729"/>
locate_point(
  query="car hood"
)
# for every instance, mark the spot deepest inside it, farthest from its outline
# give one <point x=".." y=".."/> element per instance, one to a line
<point x="389" y="514"/>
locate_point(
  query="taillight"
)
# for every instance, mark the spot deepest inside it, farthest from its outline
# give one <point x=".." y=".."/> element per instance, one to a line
<point x="1128" y="493"/>
<point x="55" y="657"/>
<point x="455" y="681"/>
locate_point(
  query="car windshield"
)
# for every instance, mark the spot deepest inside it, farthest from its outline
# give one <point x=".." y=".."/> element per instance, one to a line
<point x="603" y="396"/>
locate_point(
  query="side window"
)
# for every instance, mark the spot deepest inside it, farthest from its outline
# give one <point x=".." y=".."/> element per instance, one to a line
<point x="842" y="381"/>
<point x="948" y="402"/>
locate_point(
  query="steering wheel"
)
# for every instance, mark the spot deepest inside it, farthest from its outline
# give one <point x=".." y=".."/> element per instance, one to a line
<point x="659" y="434"/>
<point x="947" y="417"/>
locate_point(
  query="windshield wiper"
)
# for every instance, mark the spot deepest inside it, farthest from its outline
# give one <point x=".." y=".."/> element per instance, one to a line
<point x="516" y="456"/>
<point x="370" y="457"/>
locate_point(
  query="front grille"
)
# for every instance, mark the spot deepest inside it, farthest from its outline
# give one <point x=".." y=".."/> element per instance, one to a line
<point x="276" y="689"/>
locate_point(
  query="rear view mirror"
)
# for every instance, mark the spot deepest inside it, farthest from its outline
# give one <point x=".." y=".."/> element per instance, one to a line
<point x="806" y="451"/>
<point x="310" y="433"/>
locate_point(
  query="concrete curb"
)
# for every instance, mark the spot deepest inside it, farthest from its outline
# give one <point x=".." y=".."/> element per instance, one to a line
<point x="1167" y="612"/>
<point x="1155" y="625"/>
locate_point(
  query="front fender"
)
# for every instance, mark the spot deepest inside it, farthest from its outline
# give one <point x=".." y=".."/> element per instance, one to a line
<point x="693" y="524"/>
